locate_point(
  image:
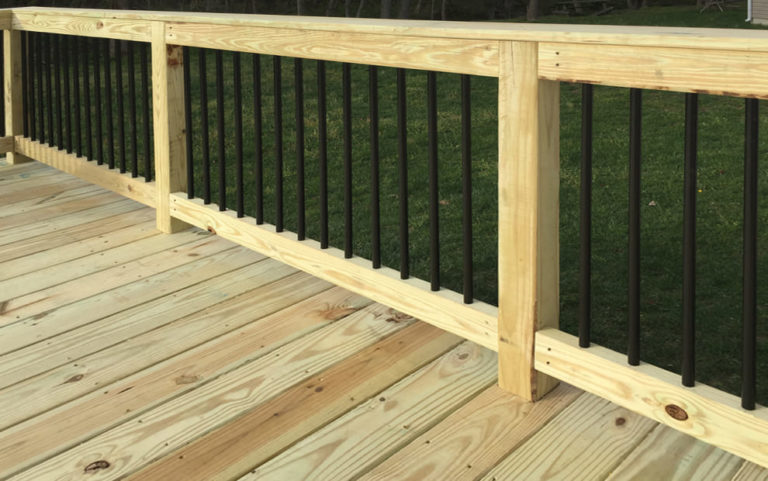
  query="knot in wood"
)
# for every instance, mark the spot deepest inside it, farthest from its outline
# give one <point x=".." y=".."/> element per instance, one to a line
<point x="676" y="412"/>
<point x="96" y="466"/>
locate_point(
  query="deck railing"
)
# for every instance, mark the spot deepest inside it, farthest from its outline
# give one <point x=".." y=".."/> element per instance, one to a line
<point x="529" y="61"/>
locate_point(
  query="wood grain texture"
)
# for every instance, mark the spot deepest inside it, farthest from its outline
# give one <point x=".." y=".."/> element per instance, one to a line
<point x="586" y="441"/>
<point x="157" y="381"/>
<point x="473" y="439"/>
<point x="673" y="456"/>
<point x="529" y="166"/>
<point x="130" y="446"/>
<point x="444" y="309"/>
<point x="51" y="226"/>
<point x="77" y="343"/>
<point x="104" y="26"/>
<point x="31" y="205"/>
<point x="76" y="236"/>
<point x="743" y="74"/>
<point x="712" y="415"/>
<point x="705" y="38"/>
<point x="186" y="248"/>
<point x="475" y="57"/>
<point x="71" y="206"/>
<point x="751" y="472"/>
<point x="18" y="192"/>
<point x="63" y="318"/>
<point x="376" y="429"/>
<point x="231" y="451"/>
<point x="169" y="127"/>
<point x="47" y="277"/>
<point x="14" y="120"/>
<point x="7" y="144"/>
<point x="133" y="188"/>
<point x="88" y="374"/>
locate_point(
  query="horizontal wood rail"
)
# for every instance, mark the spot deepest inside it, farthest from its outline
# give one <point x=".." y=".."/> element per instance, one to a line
<point x="701" y="411"/>
<point x="529" y="61"/>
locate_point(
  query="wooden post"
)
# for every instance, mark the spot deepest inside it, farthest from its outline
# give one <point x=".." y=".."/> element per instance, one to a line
<point x="14" y="116"/>
<point x="168" y="115"/>
<point x="529" y="162"/>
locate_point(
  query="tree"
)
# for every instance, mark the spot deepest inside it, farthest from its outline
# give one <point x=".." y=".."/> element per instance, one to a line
<point x="532" y="12"/>
<point x="299" y="7"/>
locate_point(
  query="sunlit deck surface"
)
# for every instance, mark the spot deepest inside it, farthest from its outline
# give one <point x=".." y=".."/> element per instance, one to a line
<point x="129" y="354"/>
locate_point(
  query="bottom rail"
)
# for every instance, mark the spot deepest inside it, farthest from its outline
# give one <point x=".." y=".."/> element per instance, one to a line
<point x="444" y="309"/>
<point x="702" y="411"/>
<point x="135" y="188"/>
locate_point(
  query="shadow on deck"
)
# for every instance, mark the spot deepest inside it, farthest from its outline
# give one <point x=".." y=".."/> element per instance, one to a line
<point x="128" y="354"/>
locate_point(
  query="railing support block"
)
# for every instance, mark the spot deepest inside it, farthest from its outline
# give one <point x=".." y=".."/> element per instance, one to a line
<point x="529" y="162"/>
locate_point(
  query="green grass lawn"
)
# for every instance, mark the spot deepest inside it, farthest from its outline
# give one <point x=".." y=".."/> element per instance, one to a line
<point x="721" y="127"/>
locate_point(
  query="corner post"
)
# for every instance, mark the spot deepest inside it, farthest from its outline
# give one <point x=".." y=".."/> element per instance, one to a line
<point x="529" y="178"/>
<point x="14" y="115"/>
<point x="168" y="116"/>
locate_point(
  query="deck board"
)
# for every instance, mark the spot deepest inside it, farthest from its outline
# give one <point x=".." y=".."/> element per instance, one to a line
<point x="128" y="354"/>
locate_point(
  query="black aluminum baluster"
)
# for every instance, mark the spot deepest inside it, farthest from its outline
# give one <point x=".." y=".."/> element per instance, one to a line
<point x="188" y="123"/>
<point x="67" y="47"/>
<point x="633" y="352"/>
<point x="466" y="187"/>
<point x="24" y="86"/>
<point x="85" y="48"/>
<point x="120" y="93"/>
<point x="749" y="265"/>
<point x="146" y="112"/>
<point x="222" y="167"/>
<point x="434" y="230"/>
<point x="277" y="78"/>
<point x="204" y="127"/>
<point x="301" y="222"/>
<point x="373" y="99"/>
<point x="585" y="219"/>
<point x="238" y="100"/>
<point x="346" y="86"/>
<point x="57" y="52"/>
<point x="108" y="101"/>
<point x="258" y="142"/>
<point x="132" y="118"/>
<point x="402" y="162"/>
<point x="322" y="135"/>
<point x="689" y="241"/>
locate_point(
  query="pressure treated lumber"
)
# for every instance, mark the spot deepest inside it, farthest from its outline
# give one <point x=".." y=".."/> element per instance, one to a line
<point x="169" y="128"/>
<point x="583" y="443"/>
<point x="474" y="57"/>
<point x="743" y="74"/>
<point x="529" y="179"/>
<point x="751" y="472"/>
<point x="444" y="309"/>
<point x="71" y="236"/>
<point x="115" y="363"/>
<point x="673" y="456"/>
<point x="473" y="439"/>
<point x="702" y="411"/>
<point x="696" y="38"/>
<point x="135" y="188"/>
<point x="377" y="428"/>
<point x="60" y="319"/>
<point x="51" y="226"/>
<point x="118" y="402"/>
<point x="68" y="207"/>
<point x="248" y="441"/>
<point x="14" y="115"/>
<point x="187" y="247"/>
<point x="6" y="145"/>
<point x="32" y="205"/>
<point x="64" y="23"/>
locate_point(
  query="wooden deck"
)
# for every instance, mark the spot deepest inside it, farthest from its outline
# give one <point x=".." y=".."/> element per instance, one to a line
<point x="129" y="354"/>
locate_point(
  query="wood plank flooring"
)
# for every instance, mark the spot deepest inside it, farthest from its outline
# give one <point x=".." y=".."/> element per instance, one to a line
<point x="129" y="354"/>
